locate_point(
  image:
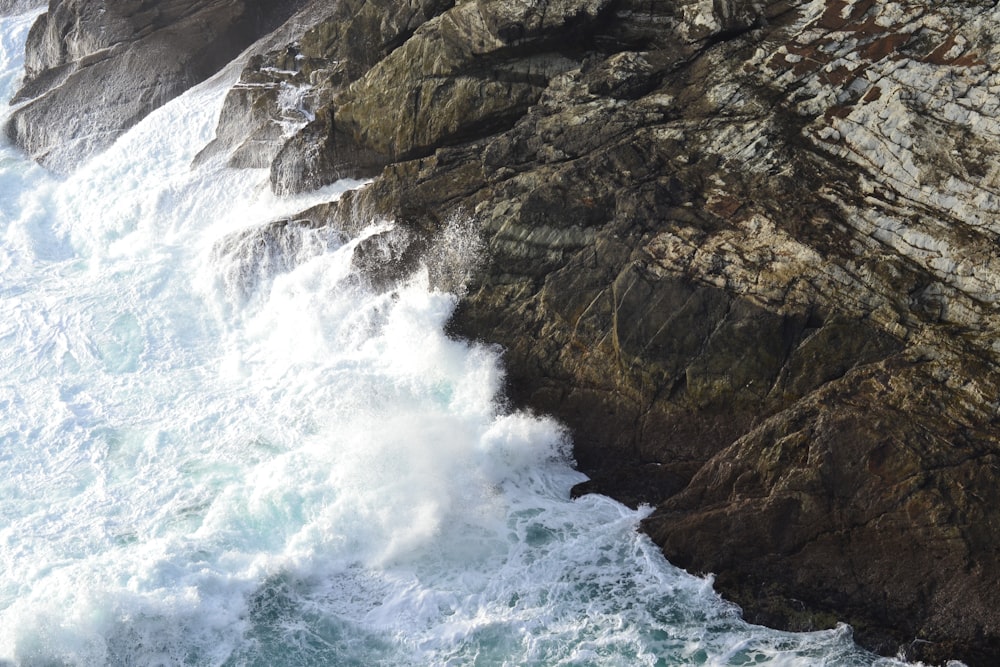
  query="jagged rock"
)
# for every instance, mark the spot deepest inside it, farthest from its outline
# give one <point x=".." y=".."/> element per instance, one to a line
<point x="745" y="251"/>
<point x="281" y="106"/>
<point x="269" y="105"/>
<point x="320" y="154"/>
<point x="883" y="500"/>
<point x="463" y="74"/>
<point x="94" y="69"/>
<point x="456" y="74"/>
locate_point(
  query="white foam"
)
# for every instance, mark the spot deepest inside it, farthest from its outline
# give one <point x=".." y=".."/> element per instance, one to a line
<point x="315" y="475"/>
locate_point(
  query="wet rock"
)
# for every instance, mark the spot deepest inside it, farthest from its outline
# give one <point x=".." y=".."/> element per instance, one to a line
<point x="249" y="259"/>
<point x="318" y="155"/>
<point x="280" y="111"/>
<point x="94" y="69"/>
<point x="746" y="251"/>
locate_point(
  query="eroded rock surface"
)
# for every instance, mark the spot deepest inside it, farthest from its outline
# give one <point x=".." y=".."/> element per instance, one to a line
<point x="745" y="250"/>
<point x="94" y="69"/>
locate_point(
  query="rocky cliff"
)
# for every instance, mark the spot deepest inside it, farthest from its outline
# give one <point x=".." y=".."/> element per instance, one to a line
<point x="14" y="7"/>
<point x="745" y="250"/>
<point x="94" y="69"/>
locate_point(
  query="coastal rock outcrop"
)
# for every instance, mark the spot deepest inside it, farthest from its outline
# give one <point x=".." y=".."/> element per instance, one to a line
<point x="745" y="250"/>
<point x="94" y="69"/>
<point x="278" y="115"/>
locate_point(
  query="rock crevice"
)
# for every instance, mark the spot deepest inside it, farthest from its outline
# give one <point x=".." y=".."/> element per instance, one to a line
<point x="745" y="250"/>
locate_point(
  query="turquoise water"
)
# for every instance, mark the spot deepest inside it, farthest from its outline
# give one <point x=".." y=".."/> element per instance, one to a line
<point x="208" y="462"/>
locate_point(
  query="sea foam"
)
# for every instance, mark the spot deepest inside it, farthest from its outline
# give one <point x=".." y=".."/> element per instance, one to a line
<point x="204" y="465"/>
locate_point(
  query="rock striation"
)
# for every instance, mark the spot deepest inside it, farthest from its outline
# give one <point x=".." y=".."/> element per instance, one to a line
<point x="745" y="250"/>
<point x="95" y="69"/>
<point x="13" y="7"/>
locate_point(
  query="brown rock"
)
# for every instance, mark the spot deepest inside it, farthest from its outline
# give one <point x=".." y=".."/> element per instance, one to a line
<point x="744" y="323"/>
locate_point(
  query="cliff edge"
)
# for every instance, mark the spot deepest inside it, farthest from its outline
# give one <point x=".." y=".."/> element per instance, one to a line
<point x="745" y="250"/>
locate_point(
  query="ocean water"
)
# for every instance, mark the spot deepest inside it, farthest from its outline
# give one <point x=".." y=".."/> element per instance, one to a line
<point x="211" y="459"/>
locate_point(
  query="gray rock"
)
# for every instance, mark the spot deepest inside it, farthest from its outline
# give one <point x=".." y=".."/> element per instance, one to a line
<point x="94" y="69"/>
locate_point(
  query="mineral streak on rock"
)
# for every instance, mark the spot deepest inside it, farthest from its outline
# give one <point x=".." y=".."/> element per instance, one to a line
<point x="745" y="250"/>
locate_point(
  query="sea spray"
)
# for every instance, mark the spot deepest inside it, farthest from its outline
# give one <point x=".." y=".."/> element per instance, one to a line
<point x="213" y="454"/>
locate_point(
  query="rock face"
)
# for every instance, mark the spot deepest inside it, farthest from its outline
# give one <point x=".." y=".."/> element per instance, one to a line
<point x="279" y="116"/>
<point x="745" y="250"/>
<point x="11" y="7"/>
<point x="94" y="69"/>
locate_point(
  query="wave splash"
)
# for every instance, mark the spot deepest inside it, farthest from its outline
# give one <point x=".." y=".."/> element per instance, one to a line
<point x="219" y="446"/>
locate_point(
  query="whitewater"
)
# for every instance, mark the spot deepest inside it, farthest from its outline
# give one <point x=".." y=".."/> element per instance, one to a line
<point x="206" y="462"/>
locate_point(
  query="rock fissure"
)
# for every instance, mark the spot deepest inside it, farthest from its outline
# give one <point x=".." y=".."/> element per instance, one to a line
<point x="743" y="250"/>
